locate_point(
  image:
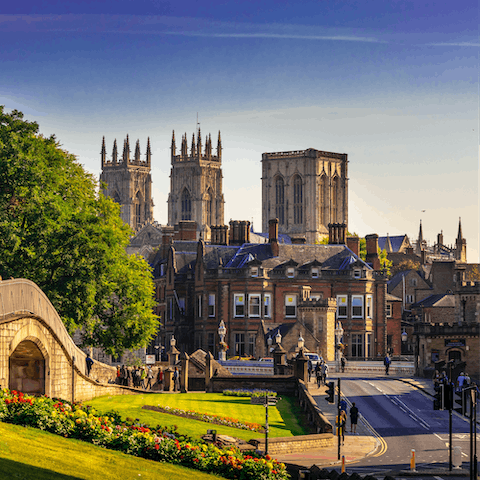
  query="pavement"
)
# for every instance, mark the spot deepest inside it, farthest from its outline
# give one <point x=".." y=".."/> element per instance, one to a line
<point x="357" y="446"/>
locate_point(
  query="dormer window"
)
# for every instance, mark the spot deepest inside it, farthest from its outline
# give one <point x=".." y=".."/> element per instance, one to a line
<point x="290" y="272"/>
<point x="254" y="271"/>
<point x="315" y="272"/>
<point x="357" y="273"/>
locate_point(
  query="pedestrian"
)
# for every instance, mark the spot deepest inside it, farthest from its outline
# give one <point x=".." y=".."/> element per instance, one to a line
<point x="341" y="424"/>
<point x="318" y="375"/>
<point x="310" y="369"/>
<point x="460" y="382"/>
<point x="160" y="378"/>
<point x="343" y="405"/>
<point x="143" y="376"/>
<point x="436" y="379"/>
<point x="353" y="418"/>
<point x="176" y="380"/>
<point x="324" y="373"/>
<point x="149" y="378"/>
<point x="342" y="361"/>
<point x="118" y="380"/>
<point x="135" y="376"/>
<point x="386" y="362"/>
<point x="89" y="364"/>
<point x="129" y="376"/>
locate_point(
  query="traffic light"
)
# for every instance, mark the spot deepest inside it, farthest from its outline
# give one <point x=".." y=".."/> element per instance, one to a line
<point x="448" y="396"/>
<point x="461" y="401"/>
<point x="438" y="397"/>
<point x="330" y="392"/>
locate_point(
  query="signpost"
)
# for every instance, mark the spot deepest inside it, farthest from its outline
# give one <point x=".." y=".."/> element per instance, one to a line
<point x="266" y="401"/>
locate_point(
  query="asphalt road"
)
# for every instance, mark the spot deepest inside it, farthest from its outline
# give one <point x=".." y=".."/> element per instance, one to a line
<point x="404" y="419"/>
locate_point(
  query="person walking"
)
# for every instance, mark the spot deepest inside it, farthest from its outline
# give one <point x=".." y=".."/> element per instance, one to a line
<point x="160" y="379"/>
<point x="341" y="424"/>
<point x="310" y="369"/>
<point x="342" y="361"/>
<point x="324" y="373"/>
<point x="353" y="418"/>
<point x="143" y="376"/>
<point x="176" y="380"/>
<point x="386" y="362"/>
<point x="318" y="375"/>
<point x="149" y="378"/>
<point x="88" y="364"/>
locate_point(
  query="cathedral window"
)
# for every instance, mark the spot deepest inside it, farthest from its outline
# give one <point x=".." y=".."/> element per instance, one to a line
<point x="280" y="200"/>
<point x="322" y="200"/>
<point x="186" y="205"/>
<point x="209" y="207"/>
<point x="138" y="210"/>
<point x="297" y="200"/>
<point x="334" y="201"/>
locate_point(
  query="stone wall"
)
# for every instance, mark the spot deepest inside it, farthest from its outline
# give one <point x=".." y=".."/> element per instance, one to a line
<point x="299" y="443"/>
<point x="280" y="384"/>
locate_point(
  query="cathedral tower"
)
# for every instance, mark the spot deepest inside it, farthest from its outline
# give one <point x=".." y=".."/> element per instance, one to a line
<point x="196" y="184"/>
<point x="129" y="183"/>
<point x="306" y="190"/>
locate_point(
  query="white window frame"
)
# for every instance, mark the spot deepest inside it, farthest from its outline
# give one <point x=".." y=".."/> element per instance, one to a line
<point x="211" y="304"/>
<point x="409" y="298"/>
<point x="254" y="303"/>
<point x="357" y="273"/>
<point x="357" y="301"/>
<point x="254" y="271"/>
<point x="388" y="310"/>
<point x="314" y="272"/>
<point x="290" y="272"/>
<point x="369" y="306"/>
<point x="267" y="305"/>
<point x="239" y="305"/>
<point x="291" y="301"/>
<point x="342" y="302"/>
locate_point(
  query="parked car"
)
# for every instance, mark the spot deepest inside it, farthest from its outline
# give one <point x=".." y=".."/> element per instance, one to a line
<point x="314" y="358"/>
<point x="266" y="360"/>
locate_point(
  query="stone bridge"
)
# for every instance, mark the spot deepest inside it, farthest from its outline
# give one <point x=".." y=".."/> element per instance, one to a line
<point x="38" y="356"/>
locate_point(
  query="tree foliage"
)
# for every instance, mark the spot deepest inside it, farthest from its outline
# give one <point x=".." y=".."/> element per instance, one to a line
<point x="58" y="231"/>
<point x="406" y="265"/>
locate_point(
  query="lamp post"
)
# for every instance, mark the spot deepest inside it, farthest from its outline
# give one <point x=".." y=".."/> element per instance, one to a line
<point x="278" y="338"/>
<point x="269" y="345"/>
<point x="338" y="337"/>
<point x="301" y="342"/>
<point x="222" y="331"/>
<point x="404" y="341"/>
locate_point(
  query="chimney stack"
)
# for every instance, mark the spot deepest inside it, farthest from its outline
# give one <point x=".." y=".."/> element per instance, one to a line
<point x="353" y="243"/>
<point x="372" y="251"/>
<point x="273" y="236"/>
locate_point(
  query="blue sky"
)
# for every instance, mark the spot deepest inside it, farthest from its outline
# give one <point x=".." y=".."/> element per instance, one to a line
<point x="392" y="84"/>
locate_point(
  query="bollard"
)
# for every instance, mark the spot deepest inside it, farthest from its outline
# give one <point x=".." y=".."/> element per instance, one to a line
<point x="343" y="463"/>
<point x="457" y="457"/>
<point x="412" y="461"/>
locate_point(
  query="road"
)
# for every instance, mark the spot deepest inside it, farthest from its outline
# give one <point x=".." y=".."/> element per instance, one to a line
<point x="404" y="419"/>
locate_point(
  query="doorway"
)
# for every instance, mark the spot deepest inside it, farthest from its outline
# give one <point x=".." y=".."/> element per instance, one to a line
<point x="27" y="369"/>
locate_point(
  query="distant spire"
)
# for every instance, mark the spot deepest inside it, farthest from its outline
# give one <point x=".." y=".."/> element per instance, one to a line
<point x="114" y="152"/>
<point x="199" y="142"/>
<point x="388" y="244"/>
<point x="137" y="152"/>
<point x="219" y="146"/>
<point x="459" y="236"/>
<point x="126" y="150"/>
<point x="192" y="152"/>
<point x="173" y="147"/>
<point x="103" y="153"/>
<point x="420" y="239"/>
<point x="149" y="152"/>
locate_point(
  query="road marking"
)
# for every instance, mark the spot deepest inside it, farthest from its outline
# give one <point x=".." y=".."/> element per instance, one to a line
<point x="437" y="478"/>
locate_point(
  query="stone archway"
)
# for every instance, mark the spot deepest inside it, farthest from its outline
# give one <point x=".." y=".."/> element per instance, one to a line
<point x="27" y="369"/>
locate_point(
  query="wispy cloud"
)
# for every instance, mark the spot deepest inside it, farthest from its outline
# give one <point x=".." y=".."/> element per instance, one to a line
<point x="454" y="44"/>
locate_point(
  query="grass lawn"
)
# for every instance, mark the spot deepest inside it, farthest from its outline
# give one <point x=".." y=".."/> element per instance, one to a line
<point x="30" y="454"/>
<point x="284" y="420"/>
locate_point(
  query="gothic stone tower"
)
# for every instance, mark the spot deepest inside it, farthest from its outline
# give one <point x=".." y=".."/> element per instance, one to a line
<point x="306" y="190"/>
<point x="129" y="183"/>
<point x="196" y="184"/>
<point x="460" y="245"/>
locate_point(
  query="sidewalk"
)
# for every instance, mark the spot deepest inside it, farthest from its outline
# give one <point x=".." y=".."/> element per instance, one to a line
<point x="365" y="443"/>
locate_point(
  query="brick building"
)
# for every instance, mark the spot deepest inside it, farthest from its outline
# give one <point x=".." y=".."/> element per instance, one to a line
<point x="255" y="288"/>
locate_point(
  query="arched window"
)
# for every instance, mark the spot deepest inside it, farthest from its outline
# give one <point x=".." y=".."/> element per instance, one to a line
<point x="186" y="205"/>
<point x="138" y="209"/>
<point x="297" y="200"/>
<point x="322" y="197"/>
<point x="334" y="201"/>
<point x="280" y="200"/>
<point x="209" y="207"/>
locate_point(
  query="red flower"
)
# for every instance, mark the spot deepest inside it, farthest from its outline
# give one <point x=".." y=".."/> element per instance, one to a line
<point x="157" y="446"/>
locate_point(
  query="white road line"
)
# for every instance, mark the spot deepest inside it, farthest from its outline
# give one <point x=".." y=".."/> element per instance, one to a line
<point x="439" y="437"/>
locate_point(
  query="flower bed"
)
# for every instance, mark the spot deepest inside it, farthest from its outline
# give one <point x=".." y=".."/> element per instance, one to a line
<point x="209" y="418"/>
<point x="160" y="444"/>
<point x="243" y="392"/>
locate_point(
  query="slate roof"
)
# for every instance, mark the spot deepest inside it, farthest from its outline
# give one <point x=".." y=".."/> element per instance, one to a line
<point x="395" y="241"/>
<point x="396" y="279"/>
<point x="437" y="300"/>
<point x="392" y="298"/>
<point x="282" y="237"/>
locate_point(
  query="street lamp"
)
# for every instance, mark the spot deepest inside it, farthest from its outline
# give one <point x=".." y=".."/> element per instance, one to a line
<point x="222" y="354"/>
<point x="404" y="341"/>
<point x="301" y="342"/>
<point x="173" y="342"/>
<point x="278" y="338"/>
<point x="269" y="343"/>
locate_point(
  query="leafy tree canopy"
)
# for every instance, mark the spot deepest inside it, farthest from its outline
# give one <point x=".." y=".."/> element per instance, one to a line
<point x="58" y="231"/>
<point x="406" y="265"/>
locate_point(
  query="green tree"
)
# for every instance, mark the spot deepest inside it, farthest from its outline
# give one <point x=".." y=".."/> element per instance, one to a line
<point x="58" y="231"/>
<point x="405" y="265"/>
<point x="385" y="263"/>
